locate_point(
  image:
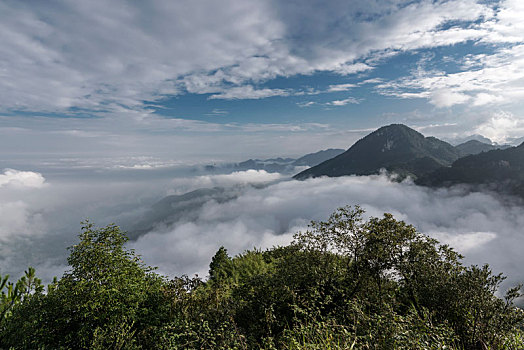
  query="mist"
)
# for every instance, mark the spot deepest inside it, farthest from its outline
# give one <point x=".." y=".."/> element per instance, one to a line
<point x="40" y="215"/>
<point x="481" y="226"/>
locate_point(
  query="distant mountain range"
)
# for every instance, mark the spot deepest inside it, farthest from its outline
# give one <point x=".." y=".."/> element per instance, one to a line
<point x="396" y="148"/>
<point x="174" y="208"/>
<point x="279" y="165"/>
<point x="476" y="147"/>
<point x="430" y="161"/>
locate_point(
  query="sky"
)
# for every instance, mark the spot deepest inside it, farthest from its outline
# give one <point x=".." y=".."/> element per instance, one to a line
<point x="106" y="107"/>
<point x="149" y="78"/>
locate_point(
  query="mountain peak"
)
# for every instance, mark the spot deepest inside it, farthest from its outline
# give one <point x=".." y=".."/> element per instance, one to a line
<point x="394" y="135"/>
<point x="395" y="147"/>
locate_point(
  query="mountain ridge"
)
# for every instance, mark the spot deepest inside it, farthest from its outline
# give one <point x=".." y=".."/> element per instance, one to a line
<point x="500" y="169"/>
<point x="395" y="147"/>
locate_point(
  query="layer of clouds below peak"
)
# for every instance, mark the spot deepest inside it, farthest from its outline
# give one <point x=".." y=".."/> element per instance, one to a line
<point x="38" y="223"/>
<point x="476" y="224"/>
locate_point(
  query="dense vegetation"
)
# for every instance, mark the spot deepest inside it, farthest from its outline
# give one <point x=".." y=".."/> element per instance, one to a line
<point x="346" y="283"/>
<point x="502" y="170"/>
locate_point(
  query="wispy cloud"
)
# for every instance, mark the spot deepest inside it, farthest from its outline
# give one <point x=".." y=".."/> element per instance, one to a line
<point x="338" y="103"/>
<point x="217" y="112"/>
<point x="371" y="81"/>
<point x="334" y="103"/>
<point x="249" y="92"/>
<point x="495" y="79"/>
<point x="489" y="78"/>
<point x="306" y="104"/>
<point x="340" y="87"/>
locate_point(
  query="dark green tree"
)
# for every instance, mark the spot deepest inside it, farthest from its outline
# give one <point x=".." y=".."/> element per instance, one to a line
<point x="220" y="264"/>
<point x="108" y="299"/>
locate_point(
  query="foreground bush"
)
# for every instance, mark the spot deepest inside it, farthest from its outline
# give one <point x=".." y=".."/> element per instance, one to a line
<point x="346" y="283"/>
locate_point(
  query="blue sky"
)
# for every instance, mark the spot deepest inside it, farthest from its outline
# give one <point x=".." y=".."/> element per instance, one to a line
<point x="276" y="77"/>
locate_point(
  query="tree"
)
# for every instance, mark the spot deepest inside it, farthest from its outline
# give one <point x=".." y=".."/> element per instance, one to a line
<point x="108" y="299"/>
<point x="219" y="264"/>
<point x="392" y="267"/>
<point x="26" y="286"/>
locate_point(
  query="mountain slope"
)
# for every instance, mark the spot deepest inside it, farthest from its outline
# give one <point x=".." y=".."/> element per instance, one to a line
<point x="394" y="147"/>
<point x="475" y="147"/>
<point x="173" y="208"/>
<point x="501" y="169"/>
<point x="313" y="159"/>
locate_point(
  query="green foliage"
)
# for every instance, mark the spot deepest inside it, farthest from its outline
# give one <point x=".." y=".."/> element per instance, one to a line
<point x="220" y="265"/>
<point x="107" y="299"/>
<point x="346" y="283"/>
<point x="500" y="170"/>
<point x="16" y="293"/>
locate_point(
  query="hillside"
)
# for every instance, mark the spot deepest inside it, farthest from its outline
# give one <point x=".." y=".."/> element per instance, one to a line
<point x="173" y="208"/>
<point x="394" y="147"/>
<point x="475" y="147"/>
<point x="502" y="169"/>
<point x="316" y="158"/>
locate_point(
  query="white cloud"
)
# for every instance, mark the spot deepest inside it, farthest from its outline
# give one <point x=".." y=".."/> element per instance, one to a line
<point x="484" y="98"/>
<point x="36" y="229"/>
<point x="58" y="57"/>
<point x="493" y="77"/>
<point x="349" y="100"/>
<point x="467" y="242"/>
<point x="498" y="79"/>
<point x="21" y="179"/>
<point x="306" y="104"/>
<point x="476" y="224"/>
<point x="371" y="81"/>
<point x="500" y="127"/>
<point x="218" y="112"/>
<point x="340" y="87"/>
<point x="444" y="98"/>
<point x="507" y="26"/>
<point x="98" y="55"/>
<point x="17" y="219"/>
<point x="352" y="68"/>
<point x="246" y="177"/>
<point x="248" y="92"/>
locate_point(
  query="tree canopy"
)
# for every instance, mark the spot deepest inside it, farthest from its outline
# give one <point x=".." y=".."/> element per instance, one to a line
<point x="344" y="283"/>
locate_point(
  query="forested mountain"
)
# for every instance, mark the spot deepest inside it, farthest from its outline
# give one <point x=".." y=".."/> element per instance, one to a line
<point x="501" y="169"/>
<point x="395" y="147"/>
<point x="475" y="147"/>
